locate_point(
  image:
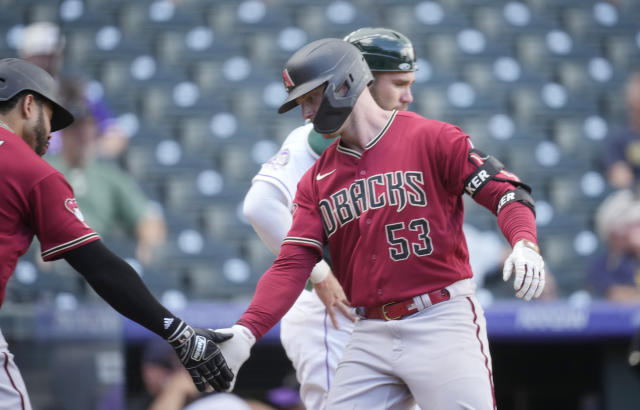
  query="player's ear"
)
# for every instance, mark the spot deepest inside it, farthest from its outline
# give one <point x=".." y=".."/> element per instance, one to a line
<point x="27" y="106"/>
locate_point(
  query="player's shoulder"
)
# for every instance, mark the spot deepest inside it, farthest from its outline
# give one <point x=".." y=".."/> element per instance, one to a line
<point x="425" y="128"/>
<point x="417" y="120"/>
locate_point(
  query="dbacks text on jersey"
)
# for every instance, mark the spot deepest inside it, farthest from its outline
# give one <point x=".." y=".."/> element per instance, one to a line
<point x="398" y="188"/>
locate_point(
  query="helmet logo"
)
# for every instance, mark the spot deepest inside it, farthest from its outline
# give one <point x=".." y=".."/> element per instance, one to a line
<point x="404" y="66"/>
<point x="286" y="79"/>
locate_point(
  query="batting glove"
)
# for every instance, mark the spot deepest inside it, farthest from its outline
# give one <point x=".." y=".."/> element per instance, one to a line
<point x="236" y="350"/>
<point x="529" y="266"/>
<point x="199" y="353"/>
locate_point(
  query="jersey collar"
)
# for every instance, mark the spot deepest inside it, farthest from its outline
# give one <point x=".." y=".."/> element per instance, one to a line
<point x="6" y="127"/>
<point x="352" y="152"/>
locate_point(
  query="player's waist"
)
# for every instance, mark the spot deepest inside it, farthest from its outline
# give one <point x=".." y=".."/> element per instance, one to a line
<point x="399" y="309"/>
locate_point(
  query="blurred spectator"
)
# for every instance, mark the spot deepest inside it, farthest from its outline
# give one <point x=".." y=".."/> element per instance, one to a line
<point x="168" y="386"/>
<point x="614" y="273"/>
<point x="43" y="43"/>
<point x="112" y="202"/>
<point x="622" y="157"/>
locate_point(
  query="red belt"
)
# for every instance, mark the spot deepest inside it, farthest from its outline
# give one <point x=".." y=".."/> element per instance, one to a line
<point x="398" y="310"/>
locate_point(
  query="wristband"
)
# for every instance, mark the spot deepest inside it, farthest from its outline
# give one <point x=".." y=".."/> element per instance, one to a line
<point x="320" y="272"/>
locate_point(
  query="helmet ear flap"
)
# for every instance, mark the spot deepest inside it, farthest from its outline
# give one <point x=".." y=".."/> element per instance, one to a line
<point x="340" y="97"/>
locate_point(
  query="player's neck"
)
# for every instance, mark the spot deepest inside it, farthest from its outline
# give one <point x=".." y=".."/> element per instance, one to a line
<point x="364" y="124"/>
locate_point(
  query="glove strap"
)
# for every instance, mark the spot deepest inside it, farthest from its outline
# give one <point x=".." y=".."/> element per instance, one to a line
<point x="182" y="333"/>
<point x="530" y="245"/>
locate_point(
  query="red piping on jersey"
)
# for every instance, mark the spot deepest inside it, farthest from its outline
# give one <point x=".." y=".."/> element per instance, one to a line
<point x="486" y="358"/>
<point x="6" y="369"/>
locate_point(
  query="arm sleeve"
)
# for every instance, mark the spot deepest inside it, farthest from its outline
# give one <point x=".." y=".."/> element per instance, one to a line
<point x="279" y="287"/>
<point x="121" y="287"/>
<point x="516" y="221"/>
<point x="266" y="209"/>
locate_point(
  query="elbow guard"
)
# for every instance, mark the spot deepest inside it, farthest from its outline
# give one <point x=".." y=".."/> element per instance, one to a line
<point x="489" y="168"/>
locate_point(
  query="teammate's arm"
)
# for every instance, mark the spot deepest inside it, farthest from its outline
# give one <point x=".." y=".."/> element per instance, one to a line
<point x="120" y="286"/>
<point x="265" y="207"/>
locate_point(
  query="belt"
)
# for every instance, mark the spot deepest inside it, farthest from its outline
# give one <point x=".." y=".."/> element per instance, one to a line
<point x="398" y="310"/>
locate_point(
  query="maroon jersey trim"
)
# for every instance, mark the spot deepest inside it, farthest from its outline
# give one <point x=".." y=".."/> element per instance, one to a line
<point x="66" y="246"/>
<point x="348" y="151"/>
<point x="302" y="241"/>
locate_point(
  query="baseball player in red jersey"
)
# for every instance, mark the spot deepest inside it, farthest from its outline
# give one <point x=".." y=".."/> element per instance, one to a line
<point x="312" y="344"/>
<point x="387" y="198"/>
<point x="35" y="199"/>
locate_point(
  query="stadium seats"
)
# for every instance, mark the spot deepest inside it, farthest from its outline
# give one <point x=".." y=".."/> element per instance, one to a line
<point x="536" y="83"/>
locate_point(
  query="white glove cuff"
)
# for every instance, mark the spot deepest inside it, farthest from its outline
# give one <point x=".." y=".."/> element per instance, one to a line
<point x="320" y="272"/>
<point x="245" y="333"/>
<point x="527" y="244"/>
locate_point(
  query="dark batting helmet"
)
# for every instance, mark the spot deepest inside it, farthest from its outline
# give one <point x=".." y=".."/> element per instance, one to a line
<point x="18" y="75"/>
<point x="337" y="64"/>
<point x="384" y="49"/>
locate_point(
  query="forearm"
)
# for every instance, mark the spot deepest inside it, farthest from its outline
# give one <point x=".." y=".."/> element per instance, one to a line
<point x="121" y="287"/>
<point x="517" y="221"/>
<point x="279" y="288"/>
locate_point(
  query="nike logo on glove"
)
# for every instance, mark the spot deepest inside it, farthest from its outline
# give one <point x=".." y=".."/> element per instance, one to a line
<point x="323" y="176"/>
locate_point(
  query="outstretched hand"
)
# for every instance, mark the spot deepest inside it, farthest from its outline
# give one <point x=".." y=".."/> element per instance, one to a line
<point x="525" y="259"/>
<point x="332" y="295"/>
<point x="199" y="353"/>
<point x="237" y="350"/>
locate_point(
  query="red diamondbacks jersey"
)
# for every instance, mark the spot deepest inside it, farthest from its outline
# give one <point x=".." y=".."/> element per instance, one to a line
<point x="35" y="199"/>
<point x="393" y="214"/>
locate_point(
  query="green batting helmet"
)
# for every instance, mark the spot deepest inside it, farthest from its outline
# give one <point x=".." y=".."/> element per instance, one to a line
<point x="18" y="75"/>
<point x="384" y="49"/>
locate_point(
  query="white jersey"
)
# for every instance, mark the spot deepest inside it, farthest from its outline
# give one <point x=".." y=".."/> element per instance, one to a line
<point x="311" y="342"/>
<point x="294" y="158"/>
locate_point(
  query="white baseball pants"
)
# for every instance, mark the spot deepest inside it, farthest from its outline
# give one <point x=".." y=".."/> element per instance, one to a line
<point x="438" y="356"/>
<point x="314" y="347"/>
<point x="13" y="392"/>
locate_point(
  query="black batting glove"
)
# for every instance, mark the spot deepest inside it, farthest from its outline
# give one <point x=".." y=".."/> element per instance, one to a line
<point x="199" y="353"/>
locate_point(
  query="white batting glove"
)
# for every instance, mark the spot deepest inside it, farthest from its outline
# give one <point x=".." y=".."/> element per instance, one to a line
<point x="529" y="266"/>
<point x="237" y="349"/>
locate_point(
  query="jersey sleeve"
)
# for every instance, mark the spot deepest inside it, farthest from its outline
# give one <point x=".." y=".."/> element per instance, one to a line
<point x="307" y="228"/>
<point x="56" y="218"/>
<point x="452" y="152"/>
<point x="287" y="166"/>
